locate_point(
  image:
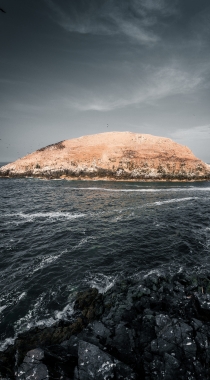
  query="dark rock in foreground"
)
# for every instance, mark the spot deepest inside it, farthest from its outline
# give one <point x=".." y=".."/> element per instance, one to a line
<point x="156" y="327"/>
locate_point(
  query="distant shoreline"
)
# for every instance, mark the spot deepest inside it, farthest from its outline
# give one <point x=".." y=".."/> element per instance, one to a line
<point x="142" y="180"/>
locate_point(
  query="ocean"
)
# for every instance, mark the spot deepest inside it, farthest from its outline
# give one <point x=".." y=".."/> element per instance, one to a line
<point x="58" y="237"/>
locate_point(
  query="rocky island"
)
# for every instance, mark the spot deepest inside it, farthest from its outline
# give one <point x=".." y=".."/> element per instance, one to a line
<point x="111" y="156"/>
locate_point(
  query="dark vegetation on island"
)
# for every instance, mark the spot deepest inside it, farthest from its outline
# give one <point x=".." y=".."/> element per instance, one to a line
<point x="102" y="174"/>
<point x="58" y="145"/>
<point x="156" y="327"/>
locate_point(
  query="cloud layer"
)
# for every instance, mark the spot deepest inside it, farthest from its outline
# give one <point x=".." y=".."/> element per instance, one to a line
<point x="151" y="85"/>
<point x="134" y="19"/>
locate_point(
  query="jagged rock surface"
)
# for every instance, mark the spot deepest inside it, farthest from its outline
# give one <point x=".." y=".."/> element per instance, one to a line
<point x="32" y="366"/>
<point x="153" y="328"/>
<point x="111" y="156"/>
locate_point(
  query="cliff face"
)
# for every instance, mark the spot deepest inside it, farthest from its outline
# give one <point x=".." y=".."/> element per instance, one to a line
<point x="111" y="156"/>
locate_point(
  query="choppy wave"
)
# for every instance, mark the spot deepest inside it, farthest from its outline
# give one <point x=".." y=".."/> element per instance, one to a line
<point x="8" y="299"/>
<point x="32" y="318"/>
<point x="45" y="261"/>
<point x="150" y="204"/>
<point x="45" y="215"/>
<point x="176" y="200"/>
<point x="53" y="216"/>
<point x="21" y="218"/>
<point x="112" y="230"/>
<point x="141" y="190"/>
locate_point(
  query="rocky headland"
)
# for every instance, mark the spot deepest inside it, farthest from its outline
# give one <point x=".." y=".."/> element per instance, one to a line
<point x="111" y="156"/>
<point x="152" y="327"/>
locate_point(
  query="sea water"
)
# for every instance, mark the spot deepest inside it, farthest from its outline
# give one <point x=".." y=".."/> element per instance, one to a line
<point x="58" y="237"/>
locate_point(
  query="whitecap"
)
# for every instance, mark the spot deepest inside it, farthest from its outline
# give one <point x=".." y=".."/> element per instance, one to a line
<point x="81" y="243"/>
<point x="33" y="318"/>
<point x="152" y="190"/>
<point x="11" y="298"/>
<point x="30" y="319"/>
<point x="174" y="200"/>
<point x="49" y="259"/>
<point x="157" y="272"/>
<point x="6" y="343"/>
<point x="46" y="260"/>
<point x="101" y="282"/>
<point x="117" y="218"/>
<point x="47" y="322"/>
<point x="45" y="215"/>
<point x="22" y="295"/>
<point x="2" y="308"/>
<point x="65" y="313"/>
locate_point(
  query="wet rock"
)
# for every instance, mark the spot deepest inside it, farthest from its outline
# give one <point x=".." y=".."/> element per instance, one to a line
<point x="32" y="366"/>
<point x="175" y="331"/>
<point x="196" y="324"/>
<point x="71" y="345"/>
<point x="147" y="331"/>
<point x="96" y="333"/>
<point x="203" y="304"/>
<point x="173" y="337"/>
<point x="100" y="330"/>
<point x="90" y="303"/>
<point x="34" y="356"/>
<point x="189" y="347"/>
<point x="161" y="321"/>
<point x="46" y="337"/>
<point x="157" y="327"/>
<point x="88" y="336"/>
<point x="123" y="341"/>
<point x="171" y="367"/>
<point x="95" y="364"/>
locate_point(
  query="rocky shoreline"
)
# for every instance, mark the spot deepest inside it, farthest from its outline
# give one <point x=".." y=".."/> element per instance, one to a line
<point x="153" y="327"/>
<point x="112" y="177"/>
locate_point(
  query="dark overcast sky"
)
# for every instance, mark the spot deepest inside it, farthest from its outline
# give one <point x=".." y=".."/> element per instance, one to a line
<point x="70" y="67"/>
